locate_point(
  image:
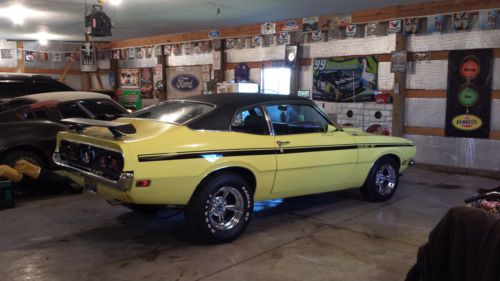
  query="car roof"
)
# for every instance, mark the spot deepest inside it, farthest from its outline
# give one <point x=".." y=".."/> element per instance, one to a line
<point x="63" y="96"/>
<point x="241" y="100"/>
<point x="227" y="104"/>
<point x="20" y="76"/>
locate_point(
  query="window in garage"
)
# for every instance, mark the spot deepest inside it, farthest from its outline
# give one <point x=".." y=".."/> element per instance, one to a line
<point x="276" y="80"/>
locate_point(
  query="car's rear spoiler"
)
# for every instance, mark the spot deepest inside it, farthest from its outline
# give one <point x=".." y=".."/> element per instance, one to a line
<point x="116" y="128"/>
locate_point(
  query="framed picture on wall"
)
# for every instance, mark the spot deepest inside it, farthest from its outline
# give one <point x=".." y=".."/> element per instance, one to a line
<point x="129" y="78"/>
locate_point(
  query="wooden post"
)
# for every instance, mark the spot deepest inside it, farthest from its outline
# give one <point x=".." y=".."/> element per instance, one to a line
<point x="20" y="60"/>
<point x="113" y="67"/>
<point x="162" y="60"/>
<point x="398" y="113"/>
<point x="295" y="73"/>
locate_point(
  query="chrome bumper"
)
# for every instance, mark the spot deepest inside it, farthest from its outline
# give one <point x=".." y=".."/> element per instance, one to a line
<point x="124" y="182"/>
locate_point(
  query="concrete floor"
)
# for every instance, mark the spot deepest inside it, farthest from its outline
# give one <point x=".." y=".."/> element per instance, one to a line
<point x="334" y="236"/>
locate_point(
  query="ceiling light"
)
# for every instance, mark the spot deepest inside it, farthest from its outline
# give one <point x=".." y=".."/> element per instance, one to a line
<point x="115" y="2"/>
<point x="18" y="13"/>
<point x="43" y="38"/>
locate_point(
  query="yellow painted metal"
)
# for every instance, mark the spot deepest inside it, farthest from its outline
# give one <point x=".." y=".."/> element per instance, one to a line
<point x="277" y="175"/>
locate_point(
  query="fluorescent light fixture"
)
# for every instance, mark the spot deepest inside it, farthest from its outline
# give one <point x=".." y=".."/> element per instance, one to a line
<point x="115" y="2"/>
<point x="18" y="13"/>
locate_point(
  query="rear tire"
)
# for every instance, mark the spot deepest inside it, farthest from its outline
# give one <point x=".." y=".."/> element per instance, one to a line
<point x="220" y="209"/>
<point x="12" y="157"/>
<point x="382" y="181"/>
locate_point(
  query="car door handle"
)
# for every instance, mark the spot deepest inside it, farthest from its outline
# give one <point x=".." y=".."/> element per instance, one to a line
<point x="283" y="143"/>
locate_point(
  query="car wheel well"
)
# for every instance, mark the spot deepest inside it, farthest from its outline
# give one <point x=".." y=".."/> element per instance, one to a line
<point x="37" y="151"/>
<point x="243" y="172"/>
<point x="394" y="157"/>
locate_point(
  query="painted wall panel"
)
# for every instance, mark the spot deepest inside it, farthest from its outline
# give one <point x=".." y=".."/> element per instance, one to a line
<point x="458" y="152"/>
<point x="349" y="47"/>
<point x="455" y="41"/>
<point x="430" y="113"/>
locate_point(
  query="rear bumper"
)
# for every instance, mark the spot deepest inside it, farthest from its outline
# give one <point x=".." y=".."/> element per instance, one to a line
<point x="124" y="182"/>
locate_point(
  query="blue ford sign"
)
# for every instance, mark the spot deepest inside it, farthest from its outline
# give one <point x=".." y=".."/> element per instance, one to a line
<point x="214" y="34"/>
<point x="185" y="82"/>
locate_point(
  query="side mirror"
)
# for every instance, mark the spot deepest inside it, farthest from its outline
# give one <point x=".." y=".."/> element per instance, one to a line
<point x="329" y="129"/>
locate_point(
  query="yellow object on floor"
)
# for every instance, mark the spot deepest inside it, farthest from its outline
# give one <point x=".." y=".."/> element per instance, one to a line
<point x="28" y="169"/>
<point x="10" y="173"/>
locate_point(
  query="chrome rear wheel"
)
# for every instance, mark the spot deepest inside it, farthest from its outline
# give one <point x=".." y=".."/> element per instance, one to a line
<point x="226" y="208"/>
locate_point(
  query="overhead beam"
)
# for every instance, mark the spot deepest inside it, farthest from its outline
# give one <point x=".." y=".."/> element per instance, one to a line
<point x="363" y="16"/>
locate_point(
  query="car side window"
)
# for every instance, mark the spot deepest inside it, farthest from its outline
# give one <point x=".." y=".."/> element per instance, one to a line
<point x="296" y="119"/>
<point x="35" y="115"/>
<point x="250" y="121"/>
<point x="71" y="110"/>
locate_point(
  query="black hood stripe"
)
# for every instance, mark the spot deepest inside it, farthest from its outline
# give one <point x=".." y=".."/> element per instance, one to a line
<point x="254" y="152"/>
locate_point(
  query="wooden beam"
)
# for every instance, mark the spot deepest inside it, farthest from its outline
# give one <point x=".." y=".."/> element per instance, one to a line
<point x="428" y="94"/>
<point x="437" y="132"/>
<point x="495" y="94"/>
<point x="8" y="69"/>
<point x="67" y="69"/>
<point x="439" y="94"/>
<point x="495" y="135"/>
<point x="422" y="9"/>
<point x="53" y="71"/>
<point x="399" y="96"/>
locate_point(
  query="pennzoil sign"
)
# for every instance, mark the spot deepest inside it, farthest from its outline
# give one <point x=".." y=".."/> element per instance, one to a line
<point x="467" y="122"/>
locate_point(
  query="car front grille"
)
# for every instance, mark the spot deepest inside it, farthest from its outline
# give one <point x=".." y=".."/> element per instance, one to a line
<point x="96" y="160"/>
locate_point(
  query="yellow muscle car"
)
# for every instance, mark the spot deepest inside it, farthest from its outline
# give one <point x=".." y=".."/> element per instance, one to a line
<point x="214" y="155"/>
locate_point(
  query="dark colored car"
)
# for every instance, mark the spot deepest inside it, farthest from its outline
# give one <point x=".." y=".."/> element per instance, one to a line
<point x="16" y="85"/>
<point x="29" y="124"/>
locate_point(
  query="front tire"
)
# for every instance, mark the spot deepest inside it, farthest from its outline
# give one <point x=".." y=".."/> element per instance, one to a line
<point x="382" y="181"/>
<point x="221" y="209"/>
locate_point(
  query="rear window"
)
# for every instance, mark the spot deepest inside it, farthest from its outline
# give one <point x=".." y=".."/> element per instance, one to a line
<point x="175" y="112"/>
<point x="102" y="108"/>
<point x="11" y="89"/>
<point x="97" y="109"/>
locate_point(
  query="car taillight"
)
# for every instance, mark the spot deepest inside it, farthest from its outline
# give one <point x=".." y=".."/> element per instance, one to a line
<point x="143" y="183"/>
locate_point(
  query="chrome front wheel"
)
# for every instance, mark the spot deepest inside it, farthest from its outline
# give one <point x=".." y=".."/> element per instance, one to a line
<point x="385" y="179"/>
<point x="382" y="180"/>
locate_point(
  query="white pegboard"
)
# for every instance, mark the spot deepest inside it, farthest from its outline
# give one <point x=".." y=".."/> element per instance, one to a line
<point x="349" y="47"/>
<point x="429" y="113"/>
<point x="495" y="115"/>
<point x="385" y="77"/>
<point x="136" y="63"/>
<point x="12" y="62"/>
<point x="275" y="52"/>
<point x="188" y="60"/>
<point x="432" y="75"/>
<point x="476" y="39"/>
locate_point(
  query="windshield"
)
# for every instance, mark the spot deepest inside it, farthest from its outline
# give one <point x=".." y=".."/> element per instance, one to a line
<point x="176" y="112"/>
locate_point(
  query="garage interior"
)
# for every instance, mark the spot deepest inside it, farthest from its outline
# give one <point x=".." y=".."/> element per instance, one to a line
<point x="409" y="55"/>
